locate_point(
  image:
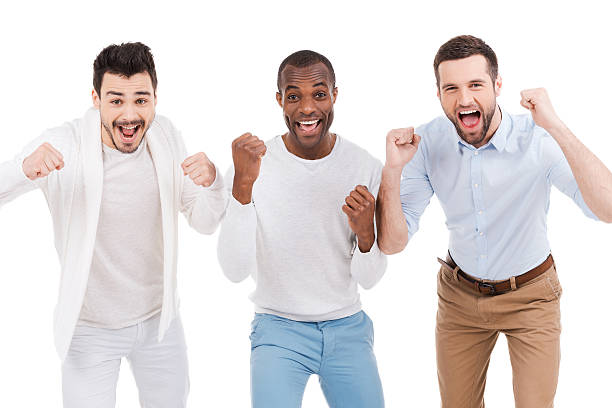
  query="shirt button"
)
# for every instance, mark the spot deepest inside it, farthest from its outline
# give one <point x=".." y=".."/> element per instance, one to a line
<point x="482" y="256"/>
<point x="481" y="233"/>
<point x="480" y="212"/>
<point x="476" y="153"/>
<point x="476" y="185"/>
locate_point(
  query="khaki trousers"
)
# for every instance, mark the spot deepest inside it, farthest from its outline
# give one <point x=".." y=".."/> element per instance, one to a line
<point x="468" y="324"/>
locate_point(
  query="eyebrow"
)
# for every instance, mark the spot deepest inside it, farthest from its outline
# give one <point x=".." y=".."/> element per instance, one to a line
<point x="136" y="93"/>
<point x="314" y="86"/>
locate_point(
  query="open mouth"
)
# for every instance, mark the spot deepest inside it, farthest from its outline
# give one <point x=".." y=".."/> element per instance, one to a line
<point x="128" y="132"/>
<point x="308" y="126"/>
<point x="469" y="118"/>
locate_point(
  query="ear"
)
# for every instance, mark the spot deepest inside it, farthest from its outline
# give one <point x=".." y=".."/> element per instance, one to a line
<point x="95" y="99"/>
<point x="498" y="85"/>
<point x="279" y="99"/>
<point x="155" y="98"/>
<point x="334" y="95"/>
<point x="438" y="91"/>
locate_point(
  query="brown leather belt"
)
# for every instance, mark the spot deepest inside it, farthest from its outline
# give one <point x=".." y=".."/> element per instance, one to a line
<point x="499" y="287"/>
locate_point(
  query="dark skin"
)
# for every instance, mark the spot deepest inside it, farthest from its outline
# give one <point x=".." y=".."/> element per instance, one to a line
<point x="307" y="96"/>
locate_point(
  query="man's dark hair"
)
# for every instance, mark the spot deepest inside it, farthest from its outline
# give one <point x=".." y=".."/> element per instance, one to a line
<point x="464" y="46"/>
<point x="126" y="59"/>
<point x="303" y="59"/>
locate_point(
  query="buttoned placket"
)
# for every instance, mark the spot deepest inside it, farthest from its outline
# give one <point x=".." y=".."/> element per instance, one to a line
<point x="479" y="208"/>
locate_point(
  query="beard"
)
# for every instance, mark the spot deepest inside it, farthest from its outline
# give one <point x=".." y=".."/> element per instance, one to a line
<point x="487" y="118"/>
<point x="115" y="124"/>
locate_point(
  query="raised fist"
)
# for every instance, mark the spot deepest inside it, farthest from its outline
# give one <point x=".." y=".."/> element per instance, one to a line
<point x="200" y="169"/>
<point x="402" y="144"/>
<point x="42" y="161"/>
<point x="247" y="151"/>
<point x="538" y="103"/>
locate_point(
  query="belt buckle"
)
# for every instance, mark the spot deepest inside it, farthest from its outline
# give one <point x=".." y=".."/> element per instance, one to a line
<point x="488" y="286"/>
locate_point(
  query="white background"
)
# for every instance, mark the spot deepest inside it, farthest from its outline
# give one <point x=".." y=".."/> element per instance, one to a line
<point x="217" y="67"/>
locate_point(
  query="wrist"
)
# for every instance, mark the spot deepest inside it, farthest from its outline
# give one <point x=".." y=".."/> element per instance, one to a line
<point x="242" y="192"/>
<point x="391" y="175"/>
<point x="393" y="169"/>
<point x="365" y="241"/>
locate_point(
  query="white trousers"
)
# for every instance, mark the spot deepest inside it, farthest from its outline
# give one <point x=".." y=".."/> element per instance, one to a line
<point x="91" y="369"/>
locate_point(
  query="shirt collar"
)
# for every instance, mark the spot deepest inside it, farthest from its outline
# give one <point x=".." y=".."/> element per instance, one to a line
<point x="499" y="139"/>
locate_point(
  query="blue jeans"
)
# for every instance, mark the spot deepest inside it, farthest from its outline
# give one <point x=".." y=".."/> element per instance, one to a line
<point x="284" y="353"/>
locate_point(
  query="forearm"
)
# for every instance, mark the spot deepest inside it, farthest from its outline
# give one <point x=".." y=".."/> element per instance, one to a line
<point x="390" y="221"/>
<point x="237" y="248"/>
<point x="594" y="179"/>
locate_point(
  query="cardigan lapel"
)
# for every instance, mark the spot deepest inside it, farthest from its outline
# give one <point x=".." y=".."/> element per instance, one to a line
<point x="93" y="169"/>
<point x="161" y="153"/>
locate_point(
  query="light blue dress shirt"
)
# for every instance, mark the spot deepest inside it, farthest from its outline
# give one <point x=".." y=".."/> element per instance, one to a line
<point x="495" y="198"/>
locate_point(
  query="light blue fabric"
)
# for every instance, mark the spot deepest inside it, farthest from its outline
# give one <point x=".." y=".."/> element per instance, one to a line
<point x="284" y="353"/>
<point x="495" y="198"/>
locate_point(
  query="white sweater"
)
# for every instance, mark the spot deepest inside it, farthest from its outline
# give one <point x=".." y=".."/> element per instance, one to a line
<point x="74" y="195"/>
<point x="294" y="239"/>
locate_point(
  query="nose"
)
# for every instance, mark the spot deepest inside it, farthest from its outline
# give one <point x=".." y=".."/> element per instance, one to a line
<point x="465" y="97"/>
<point x="129" y="113"/>
<point x="307" y="105"/>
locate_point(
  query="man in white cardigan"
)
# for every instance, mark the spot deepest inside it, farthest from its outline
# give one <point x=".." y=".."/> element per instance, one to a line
<point x="115" y="181"/>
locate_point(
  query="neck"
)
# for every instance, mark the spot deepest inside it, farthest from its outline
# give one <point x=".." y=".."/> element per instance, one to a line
<point x="318" y="151"/>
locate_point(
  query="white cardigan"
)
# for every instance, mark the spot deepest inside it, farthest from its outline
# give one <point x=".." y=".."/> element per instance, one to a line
<point x="74" y="195"/>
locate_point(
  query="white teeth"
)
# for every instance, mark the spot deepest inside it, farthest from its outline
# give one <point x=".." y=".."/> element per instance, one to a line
<point x="309" y="122"/>
<point x="129" y="128"/>
<point x="468" y="112"/>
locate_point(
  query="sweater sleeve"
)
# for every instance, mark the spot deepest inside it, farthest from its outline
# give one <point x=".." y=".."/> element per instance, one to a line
<point x="369" y="267"/>
<point x="237" y="248"/>
<point x="203" y="207"/>
<point x="13" y="181"/>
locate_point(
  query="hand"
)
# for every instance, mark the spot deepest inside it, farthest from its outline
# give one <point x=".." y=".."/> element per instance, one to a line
<point x="247" y="151"/>
<point x="42" y="161"/>
<point x="200" y="169"/>
<point x="402" y="144"/>
<point x="359" y="207"/>
<point x="538" y="103"/>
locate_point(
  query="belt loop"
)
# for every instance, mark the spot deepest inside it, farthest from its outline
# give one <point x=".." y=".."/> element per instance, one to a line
<point x="513" y="283"/>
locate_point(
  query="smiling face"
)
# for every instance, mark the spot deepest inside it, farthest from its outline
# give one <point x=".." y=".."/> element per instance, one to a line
<point x="468" y="97"/>
<point x="307" y="97"/>
<point x="127" y="108"/>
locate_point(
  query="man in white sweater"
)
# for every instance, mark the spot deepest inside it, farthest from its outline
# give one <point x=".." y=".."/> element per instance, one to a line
<point x="307" y="244"/>
<point x="115" y="181"/>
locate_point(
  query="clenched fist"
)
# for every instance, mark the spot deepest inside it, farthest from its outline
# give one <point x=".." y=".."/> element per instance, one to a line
<point x="42" y="161"/>
<point x="200" y="169"/>
<point x="247" y="151"/>
<point x="402" y="144"/>
<point x="538" y="103"/>
<point x="359" y="207"/>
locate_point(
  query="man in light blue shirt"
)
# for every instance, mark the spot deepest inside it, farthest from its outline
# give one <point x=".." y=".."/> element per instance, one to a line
<point x="492" y="173"/>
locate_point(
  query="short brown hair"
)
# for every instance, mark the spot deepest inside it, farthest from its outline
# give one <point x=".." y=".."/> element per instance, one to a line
<point x="126" y="59"/>
<point x="464" y="46"/>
